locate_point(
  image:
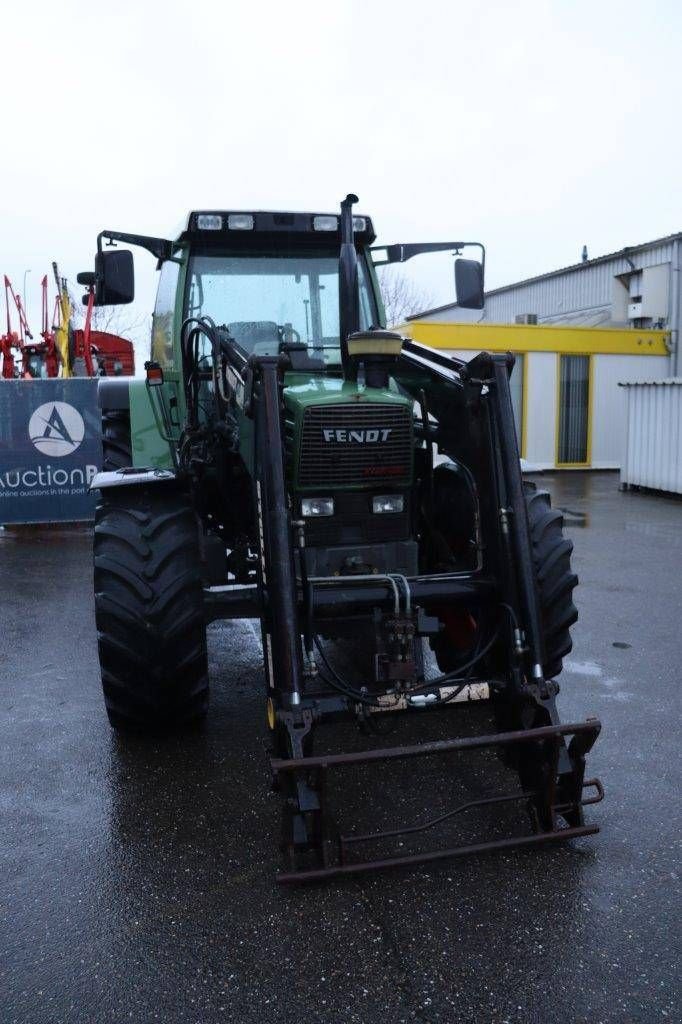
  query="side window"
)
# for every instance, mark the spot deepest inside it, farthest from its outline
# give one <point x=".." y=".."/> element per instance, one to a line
<point x="366" y="318"/>
<point x="164" y="315"/>
<point x="196" y="299"/>
<point x="329" y="305"/>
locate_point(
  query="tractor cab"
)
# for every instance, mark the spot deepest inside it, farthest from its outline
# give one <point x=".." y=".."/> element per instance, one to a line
<point x="273" y="279"/>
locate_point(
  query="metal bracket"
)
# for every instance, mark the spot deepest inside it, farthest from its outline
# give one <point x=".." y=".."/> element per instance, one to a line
<point x="298" y="725"/>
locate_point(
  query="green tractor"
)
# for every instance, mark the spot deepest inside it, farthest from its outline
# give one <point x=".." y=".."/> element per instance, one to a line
<point x="288" y="458"/>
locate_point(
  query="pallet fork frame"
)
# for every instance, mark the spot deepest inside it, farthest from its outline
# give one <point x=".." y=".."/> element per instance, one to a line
<point x="545" y="798"/>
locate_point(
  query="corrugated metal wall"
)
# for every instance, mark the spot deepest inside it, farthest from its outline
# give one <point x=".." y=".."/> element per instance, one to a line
<point x="587" y="289"/>
<point x="653" y="450"/>
<point x="589" y="295"/>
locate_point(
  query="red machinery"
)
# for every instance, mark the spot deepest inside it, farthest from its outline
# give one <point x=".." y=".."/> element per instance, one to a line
<point x="102" y="353"/>
<point x="88" y="353"/>
<point x="39" y="354"/>
<point x="8" y="342"/>
<point x="34" y="354"/>
<point x="50" y="353"/>
<point x="12" y="339"/>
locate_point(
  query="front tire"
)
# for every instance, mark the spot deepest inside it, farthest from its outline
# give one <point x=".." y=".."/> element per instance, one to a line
<point x="554" y="580"/>
<point x="554" y="577"/>
<point x="117" y="450"/>
<point x="149" y="609"/>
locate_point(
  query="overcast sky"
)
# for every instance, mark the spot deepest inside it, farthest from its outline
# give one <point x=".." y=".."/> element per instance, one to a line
<point x="535" y="126"/>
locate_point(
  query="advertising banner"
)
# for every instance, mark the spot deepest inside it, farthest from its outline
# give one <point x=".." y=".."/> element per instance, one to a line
<point x="50" y="449"/>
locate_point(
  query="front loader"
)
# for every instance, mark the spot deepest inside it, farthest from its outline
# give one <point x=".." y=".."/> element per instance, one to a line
<point x="288" y="458"/>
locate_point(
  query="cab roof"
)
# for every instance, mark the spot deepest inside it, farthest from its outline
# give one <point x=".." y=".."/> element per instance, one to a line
<point x="218" y="225"/>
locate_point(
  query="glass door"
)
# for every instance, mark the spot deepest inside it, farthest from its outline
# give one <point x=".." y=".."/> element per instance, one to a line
<point x="573" y="434"/>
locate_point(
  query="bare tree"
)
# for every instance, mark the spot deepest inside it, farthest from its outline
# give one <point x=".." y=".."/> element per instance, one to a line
<point x="401" y="297"/>
<point x="122" y="321"/>
<point x="109" y="319"/>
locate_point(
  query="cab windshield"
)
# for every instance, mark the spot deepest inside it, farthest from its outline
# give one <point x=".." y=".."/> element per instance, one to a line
<point x="267" y="300"/>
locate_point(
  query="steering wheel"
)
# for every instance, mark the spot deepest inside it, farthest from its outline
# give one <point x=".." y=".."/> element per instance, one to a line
<point x="289" y="334"/>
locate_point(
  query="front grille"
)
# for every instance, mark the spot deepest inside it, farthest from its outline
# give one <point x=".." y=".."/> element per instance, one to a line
<point x="369" y="444"/>
<point x="342" y="531"/>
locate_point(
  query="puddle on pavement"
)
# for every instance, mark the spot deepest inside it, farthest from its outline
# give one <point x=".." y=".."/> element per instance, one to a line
<point x="572" y="518"/>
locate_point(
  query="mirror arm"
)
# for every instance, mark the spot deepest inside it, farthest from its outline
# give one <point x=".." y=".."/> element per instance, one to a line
<point x="162" y="248"/>
<point x="403" y="251"/>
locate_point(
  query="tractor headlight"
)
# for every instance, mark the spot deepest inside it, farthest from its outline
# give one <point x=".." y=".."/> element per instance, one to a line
<point x="240" y="221"/>
<point x="388" y="503"/>
<point x="317" y="507"/>
<point x="209" y="222"/>
<point x="324" y="223"/>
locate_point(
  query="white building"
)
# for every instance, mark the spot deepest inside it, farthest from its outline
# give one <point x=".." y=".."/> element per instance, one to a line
<point x="577" y="333"/>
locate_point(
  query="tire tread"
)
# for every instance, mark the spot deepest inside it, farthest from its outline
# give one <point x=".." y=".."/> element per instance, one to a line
<point x="149" y="609"/>
<point x="555" y="578"/>
<point x="116" y="444"/>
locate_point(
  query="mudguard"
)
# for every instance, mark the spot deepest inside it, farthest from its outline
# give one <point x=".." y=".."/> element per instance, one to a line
<point x="132" y="476"/>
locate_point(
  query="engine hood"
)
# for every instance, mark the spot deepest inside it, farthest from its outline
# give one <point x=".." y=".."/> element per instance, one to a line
<point x="341" y="435"/>
<point x="302" y="391"/>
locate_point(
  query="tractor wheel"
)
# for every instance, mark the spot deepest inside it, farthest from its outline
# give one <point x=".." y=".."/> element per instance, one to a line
<point x="555" y="583"/>
<point x="116" y="444"/>
<point x="555" y="579"/>
<point x="149" y="609"/>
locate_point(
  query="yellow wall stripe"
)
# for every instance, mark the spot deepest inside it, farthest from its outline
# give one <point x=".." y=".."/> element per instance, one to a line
<point x="540" y="338"/>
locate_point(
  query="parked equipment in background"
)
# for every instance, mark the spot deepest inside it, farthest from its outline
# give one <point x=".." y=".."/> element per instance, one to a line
<point x="12" y="340"/>
<point x="63" y="350"/>
<point x="37" y="358"/>
<point x="8" y="341"/>
<point x="62" y="330"/>
<point x="109" y="355"/>
<point x="41" y="358"/>
<point x="285" y="468"/>
<point x="91" y="353"/>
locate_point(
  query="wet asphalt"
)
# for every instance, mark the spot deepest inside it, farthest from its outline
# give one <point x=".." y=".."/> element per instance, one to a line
<point x="137" y="875"/>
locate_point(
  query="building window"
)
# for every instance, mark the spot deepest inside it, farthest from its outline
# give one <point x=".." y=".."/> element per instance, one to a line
<point x="574" y="410"/>
<point x="516" y="388"/>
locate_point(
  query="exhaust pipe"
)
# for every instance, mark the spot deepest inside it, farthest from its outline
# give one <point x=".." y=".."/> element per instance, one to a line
<point x="349" y="302"/>
<point x="376" y="350"/>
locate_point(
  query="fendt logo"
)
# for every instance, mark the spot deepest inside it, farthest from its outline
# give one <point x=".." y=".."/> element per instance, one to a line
<point x="56" y="429"/>
<point x="372" y="436"/>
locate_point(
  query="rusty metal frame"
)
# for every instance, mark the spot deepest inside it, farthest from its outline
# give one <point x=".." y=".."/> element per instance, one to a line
<point x="584" y="735"/>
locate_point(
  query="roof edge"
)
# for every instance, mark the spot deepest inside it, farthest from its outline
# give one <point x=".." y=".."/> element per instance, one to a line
<point x="620" y="253"/>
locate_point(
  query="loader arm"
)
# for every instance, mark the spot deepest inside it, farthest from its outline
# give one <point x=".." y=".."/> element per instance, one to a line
<point x="551" y="772"/>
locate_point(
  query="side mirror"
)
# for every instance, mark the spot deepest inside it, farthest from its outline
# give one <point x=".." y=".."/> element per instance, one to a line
<point x="469" y="284"/>
<point x="114" y="277"/>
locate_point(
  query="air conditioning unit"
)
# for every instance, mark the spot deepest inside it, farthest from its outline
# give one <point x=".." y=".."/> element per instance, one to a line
<point x="526" y="318"/>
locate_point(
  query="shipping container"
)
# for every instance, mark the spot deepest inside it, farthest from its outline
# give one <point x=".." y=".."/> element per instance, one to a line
<point x="653" y="437"/>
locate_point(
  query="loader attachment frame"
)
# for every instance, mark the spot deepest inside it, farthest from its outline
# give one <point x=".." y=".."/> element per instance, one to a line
<point x="547" y="796"/>
<point x="551" y="771"/>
